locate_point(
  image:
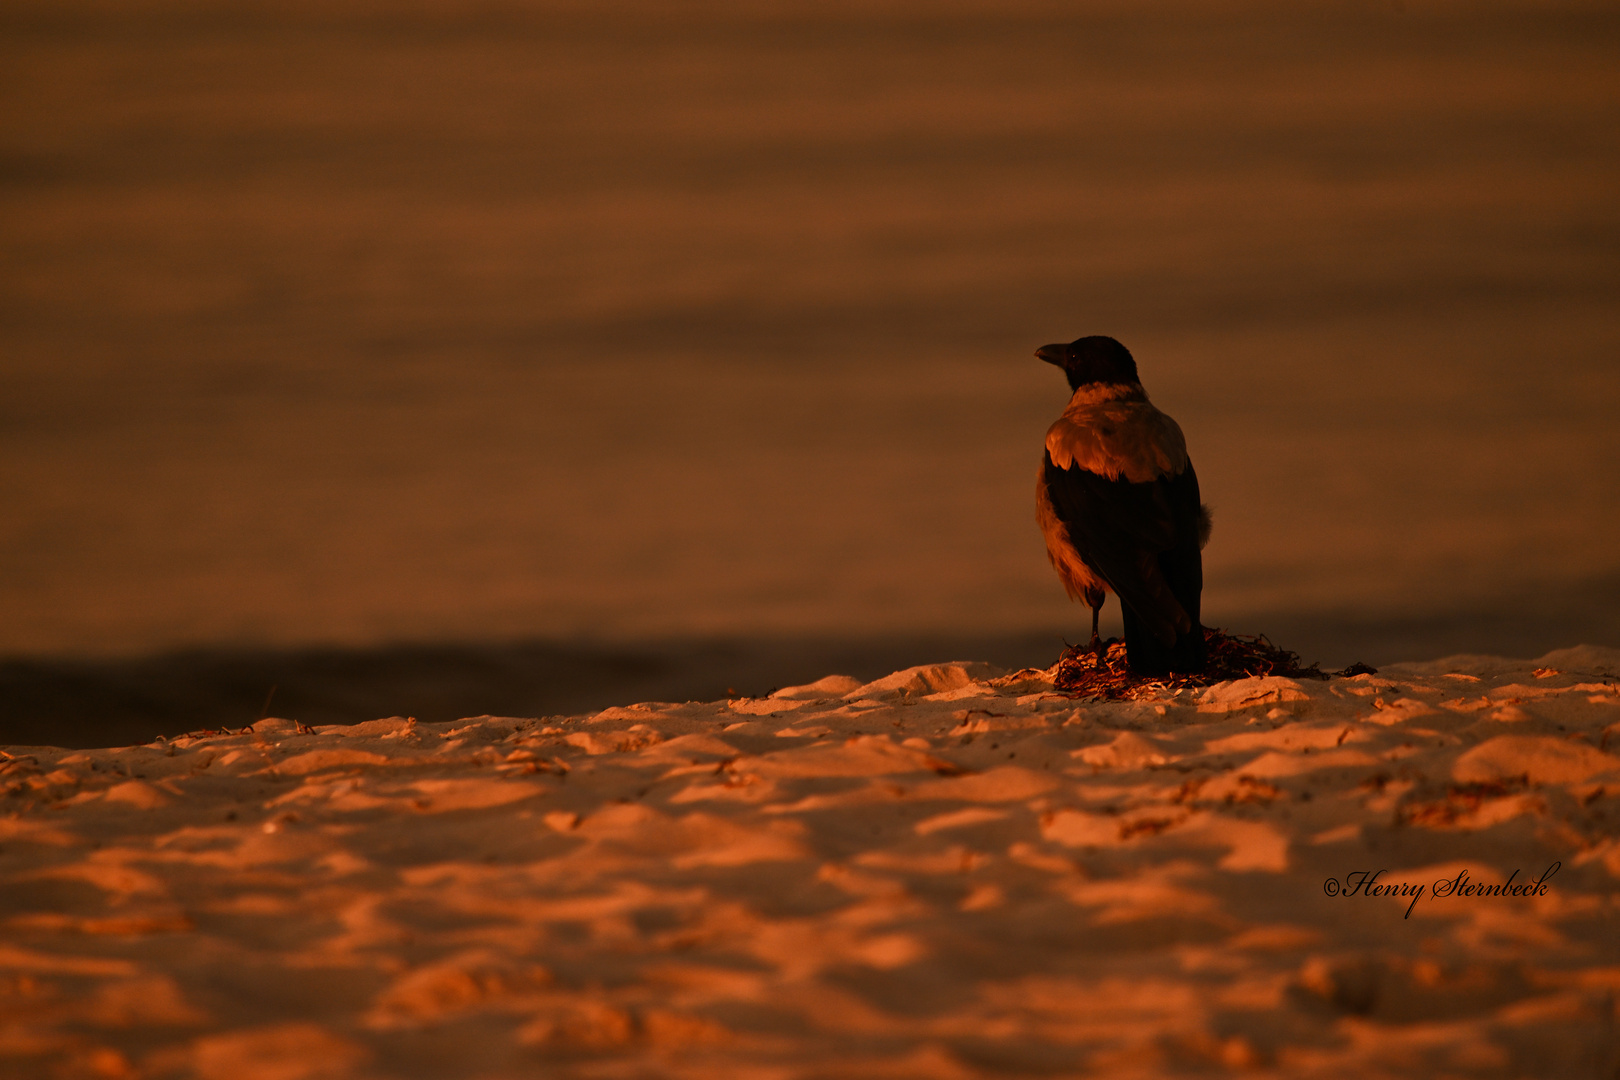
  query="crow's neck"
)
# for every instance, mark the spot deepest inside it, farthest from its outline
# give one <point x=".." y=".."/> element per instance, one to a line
<point x="1093" y="393"/>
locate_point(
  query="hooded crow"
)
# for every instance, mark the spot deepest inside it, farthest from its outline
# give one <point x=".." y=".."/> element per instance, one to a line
<point x="1117" y="501"/>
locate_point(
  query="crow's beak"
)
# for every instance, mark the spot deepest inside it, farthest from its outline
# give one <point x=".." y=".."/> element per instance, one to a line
<point x="1053" y="354"/>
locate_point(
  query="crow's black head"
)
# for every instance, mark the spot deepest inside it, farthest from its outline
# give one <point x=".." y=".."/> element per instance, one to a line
<point x="1095" y="359"/>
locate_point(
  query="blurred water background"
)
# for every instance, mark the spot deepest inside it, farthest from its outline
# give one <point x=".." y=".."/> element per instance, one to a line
<point x="450" y="358"/>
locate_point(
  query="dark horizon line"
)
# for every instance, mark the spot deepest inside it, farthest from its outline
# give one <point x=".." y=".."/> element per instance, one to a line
<point x="89" y="701"/>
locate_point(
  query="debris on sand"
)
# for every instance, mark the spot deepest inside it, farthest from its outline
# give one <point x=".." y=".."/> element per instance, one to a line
<point x="1081" y="672"/>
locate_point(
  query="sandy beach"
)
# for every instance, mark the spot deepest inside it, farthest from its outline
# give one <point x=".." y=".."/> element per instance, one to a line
<point x="954" y="871"/>
<point x="535" y="358"/>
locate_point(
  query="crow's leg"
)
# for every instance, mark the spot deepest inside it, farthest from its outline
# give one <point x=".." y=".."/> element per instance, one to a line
<point x="1096" y="639"/>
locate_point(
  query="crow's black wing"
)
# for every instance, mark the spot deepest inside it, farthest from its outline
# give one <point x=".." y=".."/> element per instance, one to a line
<point x="1142" y="539"/>
<point x="1183" y="569"/>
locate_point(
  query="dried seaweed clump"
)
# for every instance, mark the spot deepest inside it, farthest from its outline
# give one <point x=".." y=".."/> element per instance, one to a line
<point x="1081" y="673"/>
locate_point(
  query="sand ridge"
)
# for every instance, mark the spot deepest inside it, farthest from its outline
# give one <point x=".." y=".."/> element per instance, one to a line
<point x="950" y="872"/>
